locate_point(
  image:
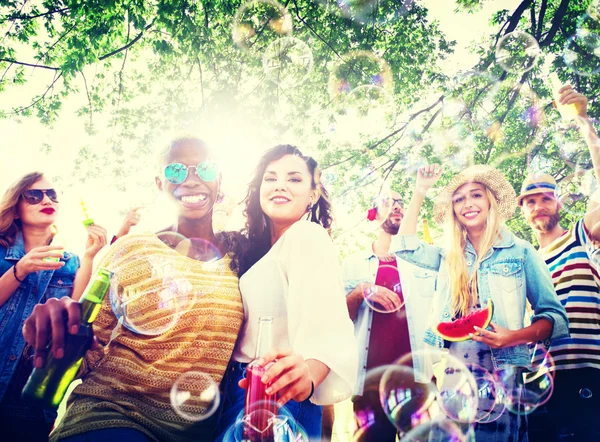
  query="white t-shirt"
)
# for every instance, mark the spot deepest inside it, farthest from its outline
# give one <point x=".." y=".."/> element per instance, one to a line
<point x="298" y="282"/>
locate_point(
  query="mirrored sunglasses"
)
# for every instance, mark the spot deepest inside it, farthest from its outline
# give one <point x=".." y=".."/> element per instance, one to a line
<point x="35" y="196"/>
<point x="177" y="173"/>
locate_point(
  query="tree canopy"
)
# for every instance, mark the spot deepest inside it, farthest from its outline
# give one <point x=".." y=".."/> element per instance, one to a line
<point x="360" y="82"/>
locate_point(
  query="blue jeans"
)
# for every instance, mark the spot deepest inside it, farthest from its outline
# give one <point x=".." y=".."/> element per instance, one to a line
<point x="305" y="413"/>
<point x="109" y="435"/>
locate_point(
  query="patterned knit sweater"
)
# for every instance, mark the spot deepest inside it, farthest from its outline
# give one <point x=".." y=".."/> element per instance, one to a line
<point x="128" y="383"/>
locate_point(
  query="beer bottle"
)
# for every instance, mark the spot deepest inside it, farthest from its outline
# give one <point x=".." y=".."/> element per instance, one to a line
<point x="49" y="383"/>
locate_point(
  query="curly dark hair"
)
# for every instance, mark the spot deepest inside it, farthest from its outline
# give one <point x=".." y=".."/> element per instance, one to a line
<point x="258" y="226"/>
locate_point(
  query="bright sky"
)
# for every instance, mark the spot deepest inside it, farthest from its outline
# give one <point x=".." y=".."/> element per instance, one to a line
<point x="22" y="141"/>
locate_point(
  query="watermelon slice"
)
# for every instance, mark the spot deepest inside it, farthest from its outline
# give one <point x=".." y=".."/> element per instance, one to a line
<point x="459" y="330"/>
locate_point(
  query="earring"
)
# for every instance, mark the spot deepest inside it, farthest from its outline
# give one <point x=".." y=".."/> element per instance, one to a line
<point x="220" y="197"/>
<point x="309" y="207"/>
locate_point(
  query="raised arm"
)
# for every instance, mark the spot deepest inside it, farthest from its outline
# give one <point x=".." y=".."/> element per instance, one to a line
<point x="567" y="95"/>
<point x="427" y="176"/>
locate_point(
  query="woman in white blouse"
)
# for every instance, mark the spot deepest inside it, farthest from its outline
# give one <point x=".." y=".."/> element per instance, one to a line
<point x="290" y="271"/>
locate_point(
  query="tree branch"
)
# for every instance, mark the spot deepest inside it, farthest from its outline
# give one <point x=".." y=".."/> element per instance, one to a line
<point x="87" y="91"/>
<point x="541" y="17"/>
<point x="128" y="45"/>
<point x="9" y="60"/>
<point x="40" y="98"/>
<point x="315" y="32"/>
<point x="556" y="22"/>
<point x="30" y="17"/>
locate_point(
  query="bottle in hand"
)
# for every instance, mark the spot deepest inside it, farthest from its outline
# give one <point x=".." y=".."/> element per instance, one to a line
<point x="48" y="385"/>
<point x="567" y="111"/>
<point x="260" y="407"/>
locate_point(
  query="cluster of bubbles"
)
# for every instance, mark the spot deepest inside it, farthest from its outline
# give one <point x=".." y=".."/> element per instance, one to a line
<point x="431" y="395"/>
<point x="266" y="421"/>
<point x="152" y="295"/>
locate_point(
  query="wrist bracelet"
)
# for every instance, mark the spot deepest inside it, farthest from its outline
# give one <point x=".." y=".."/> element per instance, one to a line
<point x="312" y="391"/>
<point x="22" y="280"/>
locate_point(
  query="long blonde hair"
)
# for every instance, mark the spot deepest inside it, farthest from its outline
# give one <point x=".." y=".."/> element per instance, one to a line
<point x="9" y="224"/>
<point x="463" y="288"/>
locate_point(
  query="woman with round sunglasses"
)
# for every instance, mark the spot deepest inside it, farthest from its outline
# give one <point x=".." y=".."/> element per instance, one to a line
<point x="33" y="271"/>
<point x="127" y="380"/>
<point x="290" y="272"/>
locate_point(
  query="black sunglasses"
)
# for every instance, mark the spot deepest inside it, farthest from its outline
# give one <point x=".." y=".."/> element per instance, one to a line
<point x="35" y="196"/>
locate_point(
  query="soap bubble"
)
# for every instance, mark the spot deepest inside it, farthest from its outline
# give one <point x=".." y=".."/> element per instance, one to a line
<point x="257" y="23"/>
<point x="517" y="52"/>
<point x="435" y="430"/>
<point x="491" y="403"/>
<point x="581" y="52"/>
<point x="359" y="68"/>
<point x="147" y="296"/>
<point x="195" y="396"/>
<point x="268" y="422"/>
<point x="287" y="62"/>
<point x="370" y="11"/>
<point x="384" y="299"/>
<point x="526" y="390"/>
<point x="365" y="112"/>
<point x="425" y="386"/>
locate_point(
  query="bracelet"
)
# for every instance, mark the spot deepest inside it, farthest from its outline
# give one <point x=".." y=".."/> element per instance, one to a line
<point x="17" y="278"/>
<point x="312" y="391"/>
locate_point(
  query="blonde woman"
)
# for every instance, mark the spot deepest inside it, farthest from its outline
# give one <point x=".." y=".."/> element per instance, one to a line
<point x="483" y="261"/>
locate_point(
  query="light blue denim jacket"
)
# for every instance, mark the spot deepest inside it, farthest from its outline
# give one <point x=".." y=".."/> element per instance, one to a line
<point x="417" y="287"/>
<point x="511" y="273"/>
<point x="36" y="288"/>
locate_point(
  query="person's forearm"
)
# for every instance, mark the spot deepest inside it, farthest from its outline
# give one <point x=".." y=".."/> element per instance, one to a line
<point x="411" y="216"/>
<point x="588" y="132"/>
<point x="353" y="301"/>
<point x="318" y="371"/>
<point x="8" y="285"/>
<point x="82" y="277"/>
<point x="540" y="330"/>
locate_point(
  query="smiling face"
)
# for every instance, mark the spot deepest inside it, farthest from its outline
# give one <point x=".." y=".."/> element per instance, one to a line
<point x="471" y="205"/>
<point x="194" y="197"/>
<point x="287" y="190"/>
<point x="42" y="214"/>
<point x="541" y="211"/>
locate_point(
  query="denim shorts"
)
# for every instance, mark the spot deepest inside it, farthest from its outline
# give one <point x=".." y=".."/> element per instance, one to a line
<point x="305" y="413"/>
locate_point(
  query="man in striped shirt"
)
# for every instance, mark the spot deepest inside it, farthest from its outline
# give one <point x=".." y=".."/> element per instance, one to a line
<point x="573" y="411"/>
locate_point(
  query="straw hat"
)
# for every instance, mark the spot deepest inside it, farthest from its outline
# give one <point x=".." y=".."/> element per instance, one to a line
<point x="537" y="183"/>
<point x="486" y="175"/>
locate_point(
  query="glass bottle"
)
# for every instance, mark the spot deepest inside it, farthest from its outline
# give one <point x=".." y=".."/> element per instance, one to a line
<point x="260" y="407"/>
<point x="49" y="384"/>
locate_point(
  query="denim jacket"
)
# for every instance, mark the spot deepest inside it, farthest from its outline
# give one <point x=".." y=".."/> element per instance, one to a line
<point x="511" y="273"/>
<point x="417" y="286"/>
<point x="36" y="288"/>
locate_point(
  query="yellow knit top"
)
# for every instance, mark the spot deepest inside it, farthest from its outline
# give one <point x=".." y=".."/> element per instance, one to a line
<point x="128" y="384"/>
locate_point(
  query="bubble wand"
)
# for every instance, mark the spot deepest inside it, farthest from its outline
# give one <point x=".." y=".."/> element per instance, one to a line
<point x="87" y="221"/>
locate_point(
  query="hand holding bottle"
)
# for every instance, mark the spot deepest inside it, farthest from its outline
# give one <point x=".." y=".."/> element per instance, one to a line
<point x="289" y="376"/>
<point x="47" y="322"/>
<point x="567" y="96"/>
